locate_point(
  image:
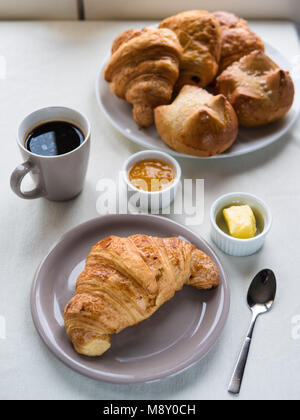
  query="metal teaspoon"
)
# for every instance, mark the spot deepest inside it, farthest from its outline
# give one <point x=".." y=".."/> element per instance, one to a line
<point x="260" y="299"/>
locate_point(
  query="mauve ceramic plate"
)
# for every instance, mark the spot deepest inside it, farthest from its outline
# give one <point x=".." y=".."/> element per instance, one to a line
<point x="119" y="114"/>
<point x="179" y="334"/>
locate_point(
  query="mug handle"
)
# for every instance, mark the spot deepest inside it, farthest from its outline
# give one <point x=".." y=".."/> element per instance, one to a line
<point x="17" y="178"/>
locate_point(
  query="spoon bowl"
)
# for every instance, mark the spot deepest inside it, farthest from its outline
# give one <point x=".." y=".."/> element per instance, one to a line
<point x="262" y="291"/>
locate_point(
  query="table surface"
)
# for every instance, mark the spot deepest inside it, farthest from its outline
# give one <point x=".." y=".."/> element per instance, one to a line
<point x="56" y="63"/>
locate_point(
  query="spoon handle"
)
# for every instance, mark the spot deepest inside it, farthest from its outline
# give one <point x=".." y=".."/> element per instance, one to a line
<point x="237" y="377"/>
<point x="239" y="370"/>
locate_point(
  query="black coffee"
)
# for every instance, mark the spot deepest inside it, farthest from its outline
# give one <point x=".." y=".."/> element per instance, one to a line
<point x="54" y="138"/>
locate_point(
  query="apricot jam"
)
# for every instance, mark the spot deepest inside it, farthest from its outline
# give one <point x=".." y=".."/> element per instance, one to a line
<point x="152" y="175"/>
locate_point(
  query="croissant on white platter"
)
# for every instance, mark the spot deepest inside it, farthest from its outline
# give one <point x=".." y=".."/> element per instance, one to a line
<point x="125" y="281"/>
<point x="143" y="69"/>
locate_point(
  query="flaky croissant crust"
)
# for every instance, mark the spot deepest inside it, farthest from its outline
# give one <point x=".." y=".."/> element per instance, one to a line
<point x="143" y="69"/>
<point x="125" y="281"/>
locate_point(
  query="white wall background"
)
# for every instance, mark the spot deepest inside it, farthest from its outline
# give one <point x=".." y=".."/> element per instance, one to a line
<point x="157" y="9"/>
<point x="144" y="9"/>
<point x="38" y="9"/>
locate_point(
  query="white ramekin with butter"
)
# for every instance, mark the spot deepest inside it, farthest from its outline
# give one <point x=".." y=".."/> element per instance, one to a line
<point x="240" y="223"/>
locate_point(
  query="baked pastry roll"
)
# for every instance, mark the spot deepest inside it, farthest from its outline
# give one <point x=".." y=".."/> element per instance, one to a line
<point x="143" y="69"/>
<point x="258" y="89"/>
<point x="237" y="39"/>
<point x="125" y="281"/>
<point x="197" y="123"/>
<point x="200" y="36"/>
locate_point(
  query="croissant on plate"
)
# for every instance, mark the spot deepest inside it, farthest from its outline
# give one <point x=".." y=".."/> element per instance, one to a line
<point x="125" y="281"/>
<point x="237" y="39"/>
<point x="199" y="34"/>
<point x="143" y="69"/>
<point x="258" y="89"/>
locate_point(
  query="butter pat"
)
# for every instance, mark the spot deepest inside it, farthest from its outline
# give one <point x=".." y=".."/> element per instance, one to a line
<point x="241" y="221"/>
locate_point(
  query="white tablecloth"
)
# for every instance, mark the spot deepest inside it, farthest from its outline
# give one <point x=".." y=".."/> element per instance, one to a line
<point x="44" y="64"/>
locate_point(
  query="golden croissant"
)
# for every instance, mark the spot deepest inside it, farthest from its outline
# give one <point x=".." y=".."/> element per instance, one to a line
<point x="143" y="69"/>
<point x="125" y="281"/>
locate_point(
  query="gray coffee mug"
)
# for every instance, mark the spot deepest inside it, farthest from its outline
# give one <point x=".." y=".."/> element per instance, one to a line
<point x="57" y="178"/>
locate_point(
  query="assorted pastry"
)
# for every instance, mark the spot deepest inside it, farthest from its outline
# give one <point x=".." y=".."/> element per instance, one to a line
<point x="197" y="123"/>
<point x="237" y="39"/>
<point x="143" y="70"/>
<point x="197" y="77"/>
<point x="199" y="34"/>
<point x="163" y="72"/>
<point x="125" y="280"/>
<point x="259" y="91"/>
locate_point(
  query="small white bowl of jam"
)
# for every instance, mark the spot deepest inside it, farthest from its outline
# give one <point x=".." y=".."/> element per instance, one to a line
<point x="154" y="177"/>
<point x="240" y="223"/>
